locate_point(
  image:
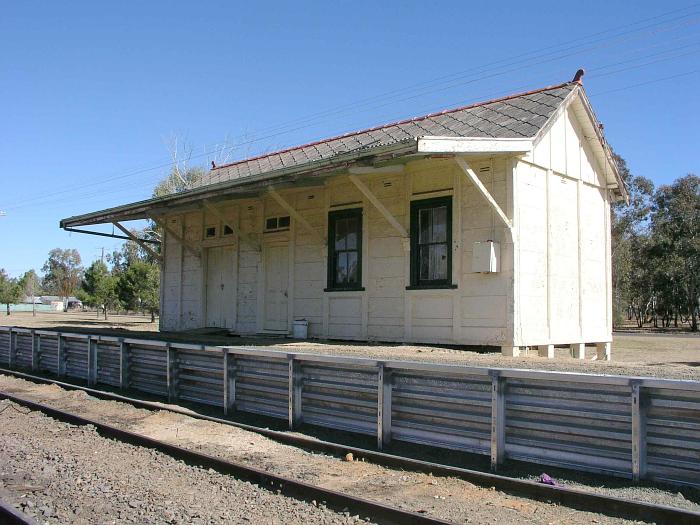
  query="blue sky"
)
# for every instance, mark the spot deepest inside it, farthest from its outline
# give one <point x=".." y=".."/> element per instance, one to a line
<point x="90" y="92"/>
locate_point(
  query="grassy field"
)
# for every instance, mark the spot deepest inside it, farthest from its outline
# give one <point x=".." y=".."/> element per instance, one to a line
<point x="673" y="355"/>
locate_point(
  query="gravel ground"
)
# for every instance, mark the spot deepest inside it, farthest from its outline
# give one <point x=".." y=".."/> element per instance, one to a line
<point x="61" y="473"/>
<point x="448" y="498"/>
<point x="670" y="355"/>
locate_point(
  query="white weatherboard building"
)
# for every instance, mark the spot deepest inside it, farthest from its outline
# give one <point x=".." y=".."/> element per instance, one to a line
<point x="482" y="225"/>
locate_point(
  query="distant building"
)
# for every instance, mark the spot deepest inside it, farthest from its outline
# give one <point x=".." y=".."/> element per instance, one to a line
<point x="56" y="302"/>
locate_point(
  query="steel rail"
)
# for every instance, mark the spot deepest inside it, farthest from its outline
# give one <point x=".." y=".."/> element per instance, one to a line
<point x="9" y="515"/>
<point x="569" y="497"/>
<point x="286" y="486"/>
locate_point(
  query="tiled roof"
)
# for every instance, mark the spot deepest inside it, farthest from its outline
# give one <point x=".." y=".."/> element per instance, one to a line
<point x="515" y="116"/>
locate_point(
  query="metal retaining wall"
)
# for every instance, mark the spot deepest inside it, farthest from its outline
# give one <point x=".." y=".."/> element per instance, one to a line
<point x="672" y="434"/>
<point x="75" y="355"/>
<point x="443" y="410"/>
<point x="581" y="425"/>
<point x="5" y="344"/>
<point x="625" y="426"/>
<point x="24" y="345"/>
<point x="48" y="352"/>
<point x="200" y="376"/>
<point x="261" y="384"/>
<point x="108" y="356"/>
<point x="341" y="397"/>
<point x="148" y="366"/>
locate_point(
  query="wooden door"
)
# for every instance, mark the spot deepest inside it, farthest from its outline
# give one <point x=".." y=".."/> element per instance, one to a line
<point x="221" y="289"/>
<point x="276" y="288"/>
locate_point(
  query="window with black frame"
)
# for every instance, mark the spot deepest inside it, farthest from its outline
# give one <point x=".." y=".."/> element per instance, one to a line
<point x="345" y="250"/>
<point x="431" y="243"/>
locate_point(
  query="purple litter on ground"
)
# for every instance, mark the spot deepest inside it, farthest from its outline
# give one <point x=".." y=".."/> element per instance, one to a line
<point x="547" y="480"/>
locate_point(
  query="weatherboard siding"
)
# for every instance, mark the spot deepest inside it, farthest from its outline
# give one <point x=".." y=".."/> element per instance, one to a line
<point x="474" y="313"/>
<point x="564" y="279"/>
<point x="551" y="289"/>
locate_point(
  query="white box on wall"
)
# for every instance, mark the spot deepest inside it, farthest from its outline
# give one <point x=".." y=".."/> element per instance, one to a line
<point x="485" y="257"/>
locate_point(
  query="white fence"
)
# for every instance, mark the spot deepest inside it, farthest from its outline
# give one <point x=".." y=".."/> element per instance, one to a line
<point x="636" y="427"/>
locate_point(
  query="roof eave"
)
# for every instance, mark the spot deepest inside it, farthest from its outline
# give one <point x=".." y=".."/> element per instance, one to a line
<point x="608" y="155"/>
<point x="236" y="188"/>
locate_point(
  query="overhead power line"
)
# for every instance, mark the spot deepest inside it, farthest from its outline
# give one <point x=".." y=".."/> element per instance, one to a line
<point x="492" y="68"/>
<point x="131" y="189"/>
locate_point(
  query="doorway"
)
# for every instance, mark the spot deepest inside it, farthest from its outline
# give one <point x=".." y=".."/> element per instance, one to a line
<point x="276" y="312"/>
<point x="221" y="287"/>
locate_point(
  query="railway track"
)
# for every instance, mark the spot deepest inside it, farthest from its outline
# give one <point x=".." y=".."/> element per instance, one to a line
<point x="282" y="485"/>
<point x="572" y="498"/>
<point x="11" y="516"/>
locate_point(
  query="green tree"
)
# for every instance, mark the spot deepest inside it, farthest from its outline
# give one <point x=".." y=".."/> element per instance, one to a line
<point x="628" y="235"/>
<point x="139" y="287"/>
<point x="30" y="285"/>
<point x="675" y="248"/>
<point x="10" y="291"/>
<point x="130" y="252"/>
<point x="62" y="273"/>
<point x="100" y="287"/>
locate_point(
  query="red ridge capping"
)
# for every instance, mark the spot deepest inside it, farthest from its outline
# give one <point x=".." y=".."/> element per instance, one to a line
<point x="397" y="123"/>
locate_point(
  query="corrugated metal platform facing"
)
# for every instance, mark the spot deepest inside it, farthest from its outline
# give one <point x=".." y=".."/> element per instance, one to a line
<point x="48" y="353"/>
<point x="642" y="428"/>
<point x="673" y="434"/>
<point x="261" y="385"/>
<point x="342" y="397"/>
<point x="200" y="376"/>
<point x="443" y="410"/>
<point x="107" y="354"/>
<point x="518" y="116"/>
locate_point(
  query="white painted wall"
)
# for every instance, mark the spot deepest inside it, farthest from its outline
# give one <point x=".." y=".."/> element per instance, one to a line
<point x="474" y="313"/>
<point x="552" y="287"/>
<point x="564" y="278"/>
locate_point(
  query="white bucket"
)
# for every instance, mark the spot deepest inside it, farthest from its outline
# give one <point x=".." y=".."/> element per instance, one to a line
<point x="300" y="329"/>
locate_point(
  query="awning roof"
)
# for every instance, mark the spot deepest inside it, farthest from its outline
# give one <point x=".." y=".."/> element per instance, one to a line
<point x="300" y="174"/>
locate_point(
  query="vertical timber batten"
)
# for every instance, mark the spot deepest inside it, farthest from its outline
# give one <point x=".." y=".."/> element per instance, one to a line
<point x="229" y="382"/>
<point x="61" y="356"/>
<point x="124" y="365"/>
<point x="295" y="390"/>
<point x="171" y="372"/>
<point x="36" y="341"/>
<point x="498" y="420"/>
<point x="12" y="351"/>
<point x="639" y="450"/>
<point x="384" y="389"/>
